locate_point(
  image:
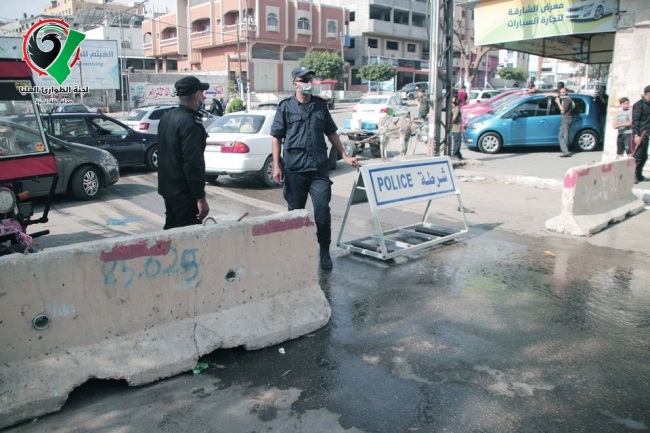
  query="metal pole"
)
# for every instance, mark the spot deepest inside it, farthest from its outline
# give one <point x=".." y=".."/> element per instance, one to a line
<point x="121" y="61"/>
<point x="248" y="63"/>
<point x="433" y="73"/>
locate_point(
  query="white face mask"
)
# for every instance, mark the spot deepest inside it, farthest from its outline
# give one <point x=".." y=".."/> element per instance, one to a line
<point x="305" y="88"/>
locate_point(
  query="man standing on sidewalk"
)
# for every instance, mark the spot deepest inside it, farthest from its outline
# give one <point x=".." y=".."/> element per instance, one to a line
<point x="565" y="103"/>
<point x="641" y="131"/>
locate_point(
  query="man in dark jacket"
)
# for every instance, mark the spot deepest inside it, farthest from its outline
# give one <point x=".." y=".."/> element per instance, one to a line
<point x="300" y="125"/>
<point x="641" y="131"/>
<point x="181" y="164"/>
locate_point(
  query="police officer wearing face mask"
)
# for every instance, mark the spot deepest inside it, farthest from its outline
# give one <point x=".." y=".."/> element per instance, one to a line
<point x="301" y="123"/>
<point x="181" y="164"/>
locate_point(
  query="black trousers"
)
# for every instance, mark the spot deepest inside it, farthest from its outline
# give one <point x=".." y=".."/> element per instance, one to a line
<point x="640" y="157"/>
<point x="623" y="143"/>
<point x="319" y="186"/>
<point x="181" y="212"/>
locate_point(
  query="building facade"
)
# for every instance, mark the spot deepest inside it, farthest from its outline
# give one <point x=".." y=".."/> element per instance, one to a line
<point x="260" y="40"/>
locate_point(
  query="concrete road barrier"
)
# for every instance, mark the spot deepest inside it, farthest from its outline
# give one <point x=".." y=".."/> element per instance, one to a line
<point x="596" y="195"/>
<point x="146" y="307"/>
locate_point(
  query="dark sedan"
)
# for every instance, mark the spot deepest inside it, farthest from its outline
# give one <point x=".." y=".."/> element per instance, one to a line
<point x="129" y="147"/>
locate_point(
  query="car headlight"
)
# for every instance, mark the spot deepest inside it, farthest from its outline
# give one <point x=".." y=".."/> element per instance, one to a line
<point x="108" y="161"/>
<point x="474" y="125"/>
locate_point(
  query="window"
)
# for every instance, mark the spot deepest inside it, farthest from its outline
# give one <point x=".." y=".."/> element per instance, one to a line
<point x="392" y="45"/>
<point x="70" y="127"/>
<point x="372" y="43"/>
<point x="303" y="24"/>
<point x="272" y="21"/>
<point x="351" y="43"/>
<point x="107" y="127"/>
<point x="410" y="48"/>
<point x="332" y="28"/>
<point x="352" y="16"/>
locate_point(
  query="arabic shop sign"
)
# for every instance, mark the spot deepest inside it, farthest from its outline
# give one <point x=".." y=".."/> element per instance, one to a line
<point x="499" y="21"/>
<point x="402" y="183"/>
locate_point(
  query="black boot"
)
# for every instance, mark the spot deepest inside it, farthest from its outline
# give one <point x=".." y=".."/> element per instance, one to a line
<point x="325" y="259"/>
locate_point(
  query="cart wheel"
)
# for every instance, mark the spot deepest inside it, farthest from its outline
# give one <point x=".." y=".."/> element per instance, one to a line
<point x="350" y="148"/>
<point x="375" y="151"/>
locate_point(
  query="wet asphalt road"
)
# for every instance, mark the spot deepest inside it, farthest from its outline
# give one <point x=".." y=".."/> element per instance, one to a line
<point x="498" y="333"/>
<point x="509" y="330"/>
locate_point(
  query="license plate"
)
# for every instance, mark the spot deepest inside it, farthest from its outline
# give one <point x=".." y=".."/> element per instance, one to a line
<point x="213" y="148"/>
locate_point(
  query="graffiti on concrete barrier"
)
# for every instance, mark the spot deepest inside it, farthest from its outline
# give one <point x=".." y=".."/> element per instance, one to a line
<point x="124" y="272"/>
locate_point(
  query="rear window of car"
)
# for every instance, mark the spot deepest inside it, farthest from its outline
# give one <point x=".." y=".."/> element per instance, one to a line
<point x="158" y="114"/>
<point x="135" y="115"/>
<point x="70" y="127"/>
<point x="372" y="101"/>
<point x="238" y="123"/>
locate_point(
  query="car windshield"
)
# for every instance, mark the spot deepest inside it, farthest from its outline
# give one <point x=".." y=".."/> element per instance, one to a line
<point x="373" y="101"/>
<point x="239" y="123"/>
<point x="135" y="115"/>
<point x="502" y="100"/>
<point x="409" y="87"/>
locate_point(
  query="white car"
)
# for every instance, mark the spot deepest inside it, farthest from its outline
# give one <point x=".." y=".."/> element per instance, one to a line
<point x="146" y="119"/>
<point x="240" y="143"/>
<point x="373" y="108"/>
<point x="476" y="96"/>
<point x="590" y="9"/>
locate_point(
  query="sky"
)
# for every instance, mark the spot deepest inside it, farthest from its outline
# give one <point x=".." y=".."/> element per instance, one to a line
<point x="12" y="9"/>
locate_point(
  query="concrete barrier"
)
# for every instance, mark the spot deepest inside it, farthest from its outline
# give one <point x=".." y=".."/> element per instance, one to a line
<point x="141" y="308"/>
<point x="595" y="195"/>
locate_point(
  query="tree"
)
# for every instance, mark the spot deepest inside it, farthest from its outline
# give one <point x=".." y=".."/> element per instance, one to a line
<point x="508" y="73"/>
<point x="470" y="58"/>
<point x="324" y="64"/>
<point x="377" y="73"/>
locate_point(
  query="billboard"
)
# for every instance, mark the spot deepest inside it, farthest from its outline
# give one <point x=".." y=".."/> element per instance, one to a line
<point x="499" y="21"/>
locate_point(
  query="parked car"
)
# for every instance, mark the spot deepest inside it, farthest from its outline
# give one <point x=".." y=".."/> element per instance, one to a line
<point x="533" y="120"/>
<point x="74" y="108"/>
<point x="470" y="111"/>
<point x="240" y="143"/>
<point x="476" y="96"/>
<point x="410" y="90"/>
<point x="373" y="108"/>
<point x="129" y="147"/>
<point x="590" y="9"/>
<point x="83" y="170"/>
<point x="146" y="119"/>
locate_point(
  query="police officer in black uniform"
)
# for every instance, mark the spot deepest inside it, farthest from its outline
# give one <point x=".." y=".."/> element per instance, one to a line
<point x="181" y="164"/>
<point x="301" y="123"/>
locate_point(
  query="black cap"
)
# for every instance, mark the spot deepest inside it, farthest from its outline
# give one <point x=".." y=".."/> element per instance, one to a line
<point x="189" y="85"/>
<point x="299" y="71"/>
<point x="647" y="89"/>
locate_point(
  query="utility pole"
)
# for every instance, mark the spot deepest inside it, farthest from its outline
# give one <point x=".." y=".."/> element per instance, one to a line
<point x="248" y="63"/>
<point x="121" y="51"/>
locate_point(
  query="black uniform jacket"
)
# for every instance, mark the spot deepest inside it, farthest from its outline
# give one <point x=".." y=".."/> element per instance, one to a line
<point x="181" y="164"/>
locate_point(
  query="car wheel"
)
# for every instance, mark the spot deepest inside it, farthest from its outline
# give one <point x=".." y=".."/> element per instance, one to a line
<point x="85" y="183"/>
<point x="333" y="158"/>
<point x="151" y="158"/>
<point x="212" y="178"/>
<point x="490" y="143"/>
<point x="599" y="13"/>
<point x="267" y="172"/>
<point x="586" y="141"/>
<point x="350" y="148"/>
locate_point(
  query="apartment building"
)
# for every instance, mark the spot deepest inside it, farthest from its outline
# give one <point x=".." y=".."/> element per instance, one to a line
<point x="261" y="40"/>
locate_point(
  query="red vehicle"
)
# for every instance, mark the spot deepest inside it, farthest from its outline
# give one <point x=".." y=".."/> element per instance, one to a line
<point x="22" y="158"/>
<point x="470" y="111"/>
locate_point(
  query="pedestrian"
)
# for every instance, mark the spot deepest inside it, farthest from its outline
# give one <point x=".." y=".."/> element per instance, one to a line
<point x="216" y="108"/>
<point x="641" y="131"/>
<point x="181" y="164"/>
<point x="406" y="132"/>
<point x="462" y="95"/>
<point x="456" y="119"/>
<point x="601" y="99"/>
<point x="299" y="128"/>
<point x="565" y="103"/>
<point x="623" y="123"/>
<point x="423" y="104"/>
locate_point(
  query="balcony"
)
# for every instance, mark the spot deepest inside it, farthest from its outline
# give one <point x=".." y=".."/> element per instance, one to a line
<point x="397" y="31"/>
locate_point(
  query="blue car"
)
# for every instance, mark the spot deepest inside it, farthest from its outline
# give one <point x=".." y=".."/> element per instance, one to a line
<point x="533" y="120"/>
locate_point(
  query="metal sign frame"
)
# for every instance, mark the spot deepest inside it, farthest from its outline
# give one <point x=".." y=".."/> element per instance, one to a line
<point x="395" y="184"/>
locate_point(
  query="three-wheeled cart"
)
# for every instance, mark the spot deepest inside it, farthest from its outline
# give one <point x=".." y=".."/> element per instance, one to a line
<point x="370" y="135"/>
